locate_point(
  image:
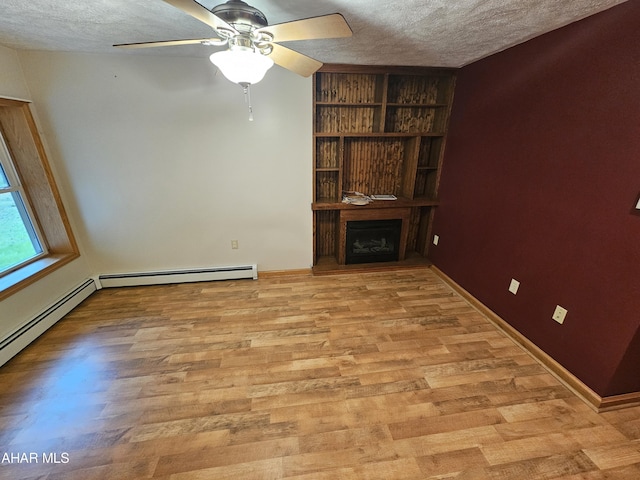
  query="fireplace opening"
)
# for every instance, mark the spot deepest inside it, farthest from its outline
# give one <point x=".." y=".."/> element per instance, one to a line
<point x="373" y="241"/>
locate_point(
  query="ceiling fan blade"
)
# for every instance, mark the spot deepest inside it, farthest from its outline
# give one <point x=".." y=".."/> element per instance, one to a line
<point x="199" y="12"/>
<point x="294" y="61"/>
<point x="325" y="26"/>
<point x="169" y="43"/>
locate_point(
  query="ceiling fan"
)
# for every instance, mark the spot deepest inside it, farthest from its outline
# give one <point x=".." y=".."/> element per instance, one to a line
<point x="253" y="44"/>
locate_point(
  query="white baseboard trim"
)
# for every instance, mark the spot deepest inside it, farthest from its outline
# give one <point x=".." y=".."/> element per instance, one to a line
<point x="32" y="329"/>
<point x="236" y="272"/>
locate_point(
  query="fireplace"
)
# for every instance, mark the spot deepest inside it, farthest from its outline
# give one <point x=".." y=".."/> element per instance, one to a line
<point x="373" y="241"/>
<point x="380" y="231"/>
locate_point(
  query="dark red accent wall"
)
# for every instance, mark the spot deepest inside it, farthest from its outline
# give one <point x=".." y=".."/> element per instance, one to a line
<point x="541" y="173"/>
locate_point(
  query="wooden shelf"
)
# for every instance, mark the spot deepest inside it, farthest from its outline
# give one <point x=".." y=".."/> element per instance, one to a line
<point x="349" y="104"/>
<point x="376" y="204"/>
<point x="418" y="105"/>
<point x="377" y="130"/>
<point x="380" y="134"/>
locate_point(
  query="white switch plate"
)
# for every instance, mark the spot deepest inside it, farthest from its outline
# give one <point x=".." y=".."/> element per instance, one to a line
<point x="436" y="239"/>
<point x="234" y="244"/>
<point x="514" y="285"/>
<point x="559" y="314"/>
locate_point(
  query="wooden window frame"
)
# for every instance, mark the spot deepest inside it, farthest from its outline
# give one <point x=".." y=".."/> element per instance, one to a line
<point x="15" y="190"/>
<point x="41" y="193"/>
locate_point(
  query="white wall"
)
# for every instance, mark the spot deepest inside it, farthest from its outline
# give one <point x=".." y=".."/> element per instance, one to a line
<point x="30" y="301"/>
<point x="163" y="167"/>
<point x="12" y="83"/>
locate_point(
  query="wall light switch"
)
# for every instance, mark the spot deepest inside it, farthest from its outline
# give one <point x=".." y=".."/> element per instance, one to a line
<point x="234" y="244"/>
<point x="514" y="285"/>
<point x="436" y="239"/>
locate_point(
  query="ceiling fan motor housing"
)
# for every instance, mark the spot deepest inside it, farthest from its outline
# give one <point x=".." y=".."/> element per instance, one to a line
<point x="240" y="15"/>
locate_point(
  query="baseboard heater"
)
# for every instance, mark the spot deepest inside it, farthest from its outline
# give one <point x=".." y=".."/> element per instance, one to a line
<point x="28" y="332"/>
<point x="179" y="276"/>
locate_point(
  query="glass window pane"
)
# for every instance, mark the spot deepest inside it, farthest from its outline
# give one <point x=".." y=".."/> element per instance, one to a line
<point x="4" y="183"/>
<point x="18" y="241"/>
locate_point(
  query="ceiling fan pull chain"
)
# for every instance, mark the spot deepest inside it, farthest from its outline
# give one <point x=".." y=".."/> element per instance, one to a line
<point x="247" y="99"/>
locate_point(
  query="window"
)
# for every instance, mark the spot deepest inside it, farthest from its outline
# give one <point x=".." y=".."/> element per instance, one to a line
<point x="35" y="234"/>
<point x="20" y="241"/>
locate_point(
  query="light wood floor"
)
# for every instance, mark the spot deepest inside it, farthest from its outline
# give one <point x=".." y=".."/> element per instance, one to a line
<point x="356" y="376"/>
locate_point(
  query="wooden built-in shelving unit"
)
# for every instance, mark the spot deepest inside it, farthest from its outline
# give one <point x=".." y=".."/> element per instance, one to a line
<point x="377" y="130"/>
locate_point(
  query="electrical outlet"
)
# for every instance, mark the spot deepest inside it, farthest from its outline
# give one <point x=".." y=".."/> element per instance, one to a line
<point x="514" y="285"/>
<point x="436" y="239"/>
<point x="559" y="314"/>
<point x="234" y="244"/>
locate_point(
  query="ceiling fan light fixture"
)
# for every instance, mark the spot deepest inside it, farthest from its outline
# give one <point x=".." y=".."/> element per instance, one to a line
<point x="242" y="65"/>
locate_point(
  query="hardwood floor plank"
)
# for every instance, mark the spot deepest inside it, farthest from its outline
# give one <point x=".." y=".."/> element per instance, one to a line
<point x="269" y="469"/>
<point x="448" y="441"/>
<point x="338" y="440"/>
<point x="537" y="446"/>
<point x="615" y="455"/>
<point x="452" y="464"/>
<point x="212" y="458"/>
<point x="541" y="468"/>
<point x="445" y="423"/>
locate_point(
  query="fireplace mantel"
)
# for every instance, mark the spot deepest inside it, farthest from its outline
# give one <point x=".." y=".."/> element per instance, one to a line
<point x="380" y="204"/>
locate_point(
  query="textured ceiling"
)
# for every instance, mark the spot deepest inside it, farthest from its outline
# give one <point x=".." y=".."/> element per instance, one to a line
<point x="450" y="33"/>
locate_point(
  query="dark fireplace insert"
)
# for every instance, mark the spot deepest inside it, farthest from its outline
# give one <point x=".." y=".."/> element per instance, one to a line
<point x="373" y="241"/>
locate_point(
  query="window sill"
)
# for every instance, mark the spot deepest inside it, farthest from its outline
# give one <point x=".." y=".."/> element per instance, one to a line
<point x="21" y="278"/>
